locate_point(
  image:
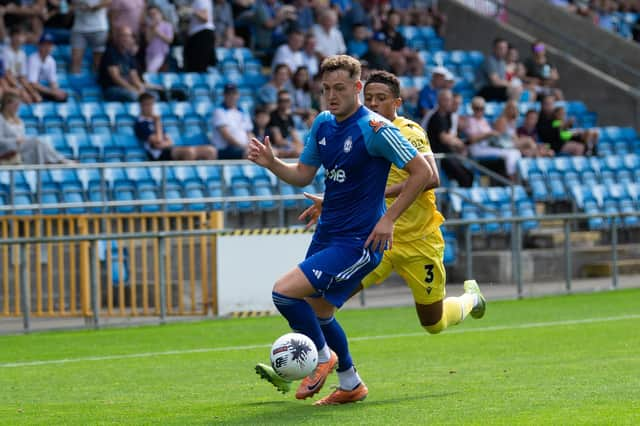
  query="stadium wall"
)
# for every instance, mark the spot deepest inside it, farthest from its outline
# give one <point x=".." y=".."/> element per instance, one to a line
<point x="584" y="32"/>
<point x="616" y="103"/>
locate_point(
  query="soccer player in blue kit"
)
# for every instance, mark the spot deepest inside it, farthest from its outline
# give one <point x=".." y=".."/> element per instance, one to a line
<point x="356" y="148"/>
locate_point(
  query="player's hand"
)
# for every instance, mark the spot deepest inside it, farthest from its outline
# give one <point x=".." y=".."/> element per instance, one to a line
<point x="312" y="213"/>
<point x="261" y="153"/>
<point x="381" y="237"/>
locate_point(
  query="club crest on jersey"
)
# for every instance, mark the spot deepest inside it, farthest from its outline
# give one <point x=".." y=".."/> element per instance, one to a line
<point x="347" y="145"/>
<point x="376" y="125"/>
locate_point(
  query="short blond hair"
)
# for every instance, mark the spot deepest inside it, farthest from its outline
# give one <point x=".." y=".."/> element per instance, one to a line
<point x="341" y="62"/>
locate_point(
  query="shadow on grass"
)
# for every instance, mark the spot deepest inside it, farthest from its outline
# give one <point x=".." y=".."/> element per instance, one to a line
<point x="288" y="411"/>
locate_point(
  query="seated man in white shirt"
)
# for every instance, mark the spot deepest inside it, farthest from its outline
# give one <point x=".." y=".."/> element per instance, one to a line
<point x="290" y="53"/>
<point x="41" y="71"/>
<point x="232" y="128"/>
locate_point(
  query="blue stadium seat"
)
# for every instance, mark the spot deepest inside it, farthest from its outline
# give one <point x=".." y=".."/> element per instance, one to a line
<point x="74" y="196"/>
<point x="94" y="114"/>
<point x="148" y="193"/>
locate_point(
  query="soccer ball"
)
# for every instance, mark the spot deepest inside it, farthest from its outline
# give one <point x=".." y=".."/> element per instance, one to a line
<point x="294" y="356"/>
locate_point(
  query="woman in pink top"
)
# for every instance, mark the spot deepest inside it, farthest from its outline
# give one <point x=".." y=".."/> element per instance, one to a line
<point x="485" y="141"/>
<point x="159" y="35"/>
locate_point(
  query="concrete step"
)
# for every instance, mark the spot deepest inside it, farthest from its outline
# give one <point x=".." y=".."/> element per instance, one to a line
<point x="549" y="237"/>
<point x="605" y="268"/>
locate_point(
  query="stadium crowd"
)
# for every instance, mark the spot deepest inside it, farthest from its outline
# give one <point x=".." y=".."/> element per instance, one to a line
<point x="619" y="16"/>
<point x="131" y="40"/>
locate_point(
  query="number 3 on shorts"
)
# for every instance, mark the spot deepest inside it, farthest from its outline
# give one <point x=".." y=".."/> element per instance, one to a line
<point x="429" y="276"/>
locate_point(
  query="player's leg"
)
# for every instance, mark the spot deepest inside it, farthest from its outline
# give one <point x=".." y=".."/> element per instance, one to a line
<point x="288" y="296"/>
<point x="351" y="387"/>
<point x="425" y="274"/>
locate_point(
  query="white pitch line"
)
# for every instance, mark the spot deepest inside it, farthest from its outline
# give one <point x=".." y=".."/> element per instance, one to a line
<point x="363" y="338"/>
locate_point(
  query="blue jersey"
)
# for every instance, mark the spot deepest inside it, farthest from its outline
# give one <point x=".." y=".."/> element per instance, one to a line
<point x="356" y="154"/>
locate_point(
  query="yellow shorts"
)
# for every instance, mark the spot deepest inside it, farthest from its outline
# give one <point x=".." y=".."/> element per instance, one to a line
<point x="420" y="263"/>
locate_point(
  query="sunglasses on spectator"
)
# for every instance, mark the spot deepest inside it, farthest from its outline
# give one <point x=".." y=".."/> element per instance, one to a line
<point x="283" y="100"/>
<point x="477" y="107"/>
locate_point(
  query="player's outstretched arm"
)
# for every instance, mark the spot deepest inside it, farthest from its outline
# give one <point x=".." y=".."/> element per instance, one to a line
<point x="434" y="181"/>
<point x="297" y="174"/>
<point x="382" y="234"/>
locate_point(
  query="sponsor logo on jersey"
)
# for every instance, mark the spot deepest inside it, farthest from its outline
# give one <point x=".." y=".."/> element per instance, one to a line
<point x="317" y="273"/>
<point x="336" y="175"/>
<point x="376" y="125"/>
<point x="347" y="145"/>
<point x="323" y="141"/>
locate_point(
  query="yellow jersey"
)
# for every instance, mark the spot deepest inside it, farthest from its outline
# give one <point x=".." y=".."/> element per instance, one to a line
<point x="422" y="217"/>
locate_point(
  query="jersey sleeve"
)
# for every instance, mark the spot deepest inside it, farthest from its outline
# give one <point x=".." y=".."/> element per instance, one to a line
<point x="389" y="143"/>
<point x="310" y="154"/>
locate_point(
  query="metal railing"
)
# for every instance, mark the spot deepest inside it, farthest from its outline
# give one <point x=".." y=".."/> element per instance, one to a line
<point x="91" y="297"/>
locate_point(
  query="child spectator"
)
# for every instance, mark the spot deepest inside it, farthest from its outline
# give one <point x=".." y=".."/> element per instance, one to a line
<point x="159" y="35"/>
<point x="301" y="92"/>
<point x="41" y="71"/>
<point x="284" y="136"/>
<point x="261" y="119"/>
<point x="159" y="146"/>
<point x="528" y="129"/>
<point x="15" y="65"/>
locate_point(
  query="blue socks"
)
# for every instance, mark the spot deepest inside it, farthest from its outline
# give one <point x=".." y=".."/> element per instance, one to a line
<point x="300" y="316"/>
<point x="337" y="340"/>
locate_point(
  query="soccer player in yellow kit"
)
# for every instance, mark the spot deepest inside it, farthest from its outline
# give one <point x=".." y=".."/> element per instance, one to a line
<point x="417" y="251"/>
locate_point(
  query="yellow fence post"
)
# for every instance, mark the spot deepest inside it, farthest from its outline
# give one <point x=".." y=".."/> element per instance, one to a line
<point x="216" y="221"/>
<point x="85" y="279"/>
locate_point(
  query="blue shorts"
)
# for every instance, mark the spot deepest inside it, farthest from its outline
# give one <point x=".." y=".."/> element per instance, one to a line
<point x="335" y="269"/>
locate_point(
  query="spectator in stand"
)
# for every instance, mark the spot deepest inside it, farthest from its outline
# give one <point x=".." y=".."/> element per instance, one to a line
<point x="401" y="57"/>
<point x="377" y="55"/>
<point x="285" y="139"/>
<point x="329" y="40"/>
<point x="568" y="140"/>
<point x="15" y="66"/>
<point x="304" y="11"/>
<point x="484" y="141"/>
<point x="90" y="28"/>
<point x="27" y="14"/>
<point x="271" y="22"/>
<point x="457" y="121"/>
<point x="528" y="129"/>
<point x="506" y="125"/>
<point x="224" y="26"/>
<point x="309" y="55"/>
<point x="301" y="92"/>
<point x="261" y="118"/>
<point x="118" y="74"/>
<point x="15" y="146"/>
<point x="268" y="93"/>
<point x="41" y="71"/>
<point x="159" y="36"/>
<point x="428" y="96"/>
<point x="516" y="74"/>
<point x="494" y="84"/>
<point x="159" y="146"/>
<point x="232" y="128"/>
<point x="290" y="53"/>
<point x="540" y="74"/>
<point x="358" y="45"/>
<point x="199" y="48"/>
<point x="128" y="13"/>
<point x="442" y="141"/>
<point x="168" y="10"/>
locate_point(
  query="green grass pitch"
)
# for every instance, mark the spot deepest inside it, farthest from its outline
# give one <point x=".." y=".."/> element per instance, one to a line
<point x="556" y="360"/>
